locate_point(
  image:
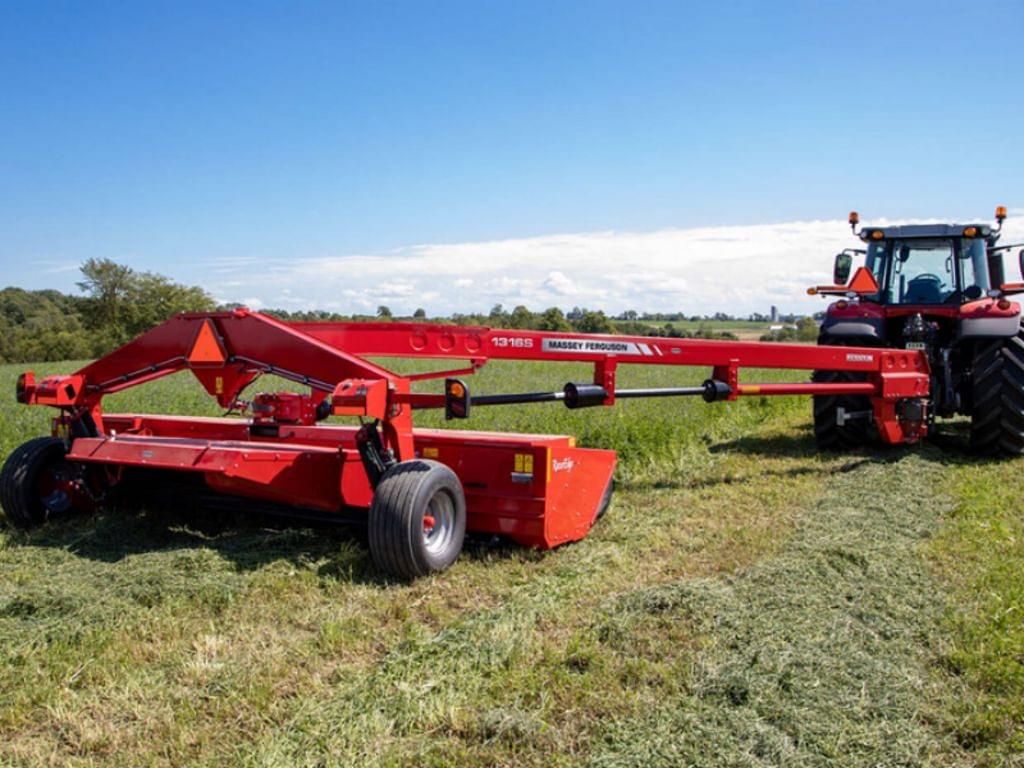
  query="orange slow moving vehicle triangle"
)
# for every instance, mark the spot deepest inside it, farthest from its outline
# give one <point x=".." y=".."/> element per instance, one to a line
<point x="207" y="348"/>
<point x="863" y="282"/>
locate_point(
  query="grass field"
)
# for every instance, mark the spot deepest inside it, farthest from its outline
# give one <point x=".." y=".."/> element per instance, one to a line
<point x="745" y="602"/>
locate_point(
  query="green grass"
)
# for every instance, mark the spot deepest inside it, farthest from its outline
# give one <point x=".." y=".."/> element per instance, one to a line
<point x="745" y="602"/>
<point x="980" y="557"/>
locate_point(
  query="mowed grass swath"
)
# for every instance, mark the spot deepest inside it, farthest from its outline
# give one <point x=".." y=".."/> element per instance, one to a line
<point x="103" y="615"/>
<point x="167" y="635"/>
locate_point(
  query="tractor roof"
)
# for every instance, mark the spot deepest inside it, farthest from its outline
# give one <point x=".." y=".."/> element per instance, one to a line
<point x="927" y="230"/>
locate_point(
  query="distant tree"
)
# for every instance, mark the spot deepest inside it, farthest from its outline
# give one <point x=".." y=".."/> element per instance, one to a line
<point x="593" y="322"/>
<point x="150" y="299"/>
<point x="807" y="329"/>
<point x="521" y="317"/>
<point x="420" y="314"/>
<point x="106" y="284"/>
<point x="384" y="312"/>
<point x="5" y="339"/>
<point x="553" y="320"/>
<point x="121" y="303"/>
<point x="635" y="328"/>
<point x="498" y="317"/>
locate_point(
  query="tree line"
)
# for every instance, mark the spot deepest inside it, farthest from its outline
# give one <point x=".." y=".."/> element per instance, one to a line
<point x="117" y="303"/>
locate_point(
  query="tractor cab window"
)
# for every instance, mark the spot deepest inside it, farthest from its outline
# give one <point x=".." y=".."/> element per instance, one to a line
<point x="922" y="271"/>
<point x="974" y="266"/>
<point x="928" y="271"/>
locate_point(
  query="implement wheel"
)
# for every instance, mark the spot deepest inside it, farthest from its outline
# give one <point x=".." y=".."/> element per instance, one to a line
<point x="417" y="520"/>
<point x="997" y="412"/>
<point x="37" y="483"/>
<point x="828" y="433"/>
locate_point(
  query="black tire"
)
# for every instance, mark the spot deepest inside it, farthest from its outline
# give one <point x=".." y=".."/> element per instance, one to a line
<point x="828" y="434"/>
<point x="402" y="543"/>
<point x="997" y="397"/>
<point x="21" y="495"/>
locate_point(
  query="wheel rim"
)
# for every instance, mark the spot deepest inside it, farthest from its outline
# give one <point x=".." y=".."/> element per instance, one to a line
<point x="439" y="524"/>
<point x="56" y="486"/>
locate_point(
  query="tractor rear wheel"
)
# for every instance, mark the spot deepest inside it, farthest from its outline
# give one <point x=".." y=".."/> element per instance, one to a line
<point x="417" y="520"/>
<point x="38" y="484"/>
<point x="828" y="433"/>
<point x="997" y="389"/>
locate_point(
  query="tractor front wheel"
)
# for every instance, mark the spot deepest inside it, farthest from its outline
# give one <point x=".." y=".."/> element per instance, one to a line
<point x="38" y="484"/>
<point x="828" y="432"/>
<point x="997" y="411"/>
<point x="417" y="520"/>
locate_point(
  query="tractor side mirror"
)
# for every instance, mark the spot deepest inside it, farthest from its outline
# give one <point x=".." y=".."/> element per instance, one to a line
<point x="843" y="265"/>
<point x="1020" y="261"/>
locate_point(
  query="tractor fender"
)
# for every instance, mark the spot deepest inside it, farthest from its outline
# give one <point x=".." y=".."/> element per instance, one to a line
<point x="861" y="327"/>
<point x="989" y="327"/>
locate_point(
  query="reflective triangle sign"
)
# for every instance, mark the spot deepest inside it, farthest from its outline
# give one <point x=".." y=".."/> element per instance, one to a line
<point x="207" y="349"/>
<point x="863" y="282"/>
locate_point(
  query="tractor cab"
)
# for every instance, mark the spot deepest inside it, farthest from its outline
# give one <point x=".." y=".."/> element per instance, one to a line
<point x="950" y="275"/>
<point x="928" y="264"/>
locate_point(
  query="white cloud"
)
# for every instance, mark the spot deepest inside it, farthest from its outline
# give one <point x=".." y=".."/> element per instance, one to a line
<point x="738" y="269"/>
<point x="557" y="282"/>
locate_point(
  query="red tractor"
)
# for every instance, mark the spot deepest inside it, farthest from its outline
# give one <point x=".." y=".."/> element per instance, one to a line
<point x="939" y="289"/>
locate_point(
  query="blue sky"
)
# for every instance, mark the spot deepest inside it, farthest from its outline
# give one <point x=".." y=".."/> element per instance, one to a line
<point x="341" y="155"/>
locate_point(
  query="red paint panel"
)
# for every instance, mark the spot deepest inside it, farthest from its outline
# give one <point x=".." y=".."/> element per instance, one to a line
<point x="449" y="341"/>
<point x="304" y="476"/>
<point x="578" y="480"/>
<point x="549" y="502"/>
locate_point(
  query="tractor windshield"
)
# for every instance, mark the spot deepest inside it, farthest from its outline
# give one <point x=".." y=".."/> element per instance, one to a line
<point x="927" y="271"/>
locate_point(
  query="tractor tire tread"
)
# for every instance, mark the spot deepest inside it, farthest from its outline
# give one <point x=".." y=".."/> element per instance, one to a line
<point x="828" y="434"/>
<point x="997" y="413"/>
<point x="17" y="481"/>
